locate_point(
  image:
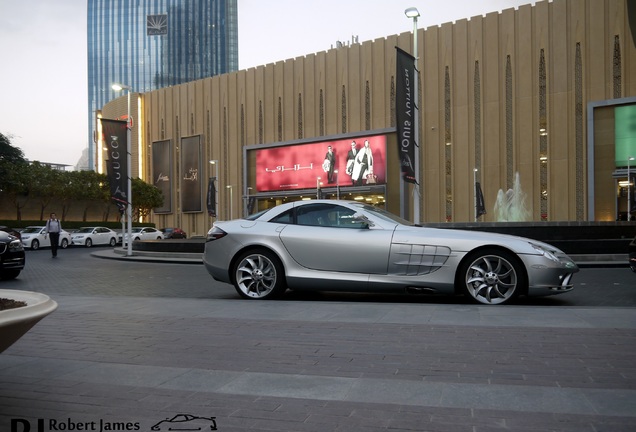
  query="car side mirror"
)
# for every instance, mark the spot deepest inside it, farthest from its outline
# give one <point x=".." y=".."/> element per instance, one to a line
<point x="364" y="221"/>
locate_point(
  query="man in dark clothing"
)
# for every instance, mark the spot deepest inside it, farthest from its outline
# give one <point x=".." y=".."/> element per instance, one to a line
<point x="53" y="229"/>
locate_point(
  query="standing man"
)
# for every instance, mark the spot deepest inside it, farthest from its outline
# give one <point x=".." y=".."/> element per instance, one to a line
<point x="53" y="229"/>
<point x="329" y="164"/>
<point x="351" y="157"/>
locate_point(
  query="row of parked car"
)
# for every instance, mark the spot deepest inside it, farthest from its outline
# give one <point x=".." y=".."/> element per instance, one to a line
<point x="35" y="237"/>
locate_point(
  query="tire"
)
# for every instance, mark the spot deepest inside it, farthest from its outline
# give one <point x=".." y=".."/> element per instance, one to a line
<point x="113" y="242"/>
<point x="492" y="276"/>
<point x="64" y="243"/>
<point x="158" y="238"/>
<point x="35" y="245"/>
<point x="10" y="274"/>
<point x="89" y="243"/>
<point x="258" y="274"/>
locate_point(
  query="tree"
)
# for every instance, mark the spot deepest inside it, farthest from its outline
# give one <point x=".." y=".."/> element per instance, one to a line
<point x="8" y="152"/>
<point x="145" y="197"/>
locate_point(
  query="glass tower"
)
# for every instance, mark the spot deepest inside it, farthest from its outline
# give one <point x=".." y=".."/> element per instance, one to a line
<point x="150" y="44"/>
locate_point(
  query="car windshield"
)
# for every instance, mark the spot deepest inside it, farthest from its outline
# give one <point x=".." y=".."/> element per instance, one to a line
<point x="86" y="230"/>
<point x="31" y="230"/>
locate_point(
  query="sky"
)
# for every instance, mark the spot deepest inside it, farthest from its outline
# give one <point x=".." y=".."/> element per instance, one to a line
<point x="44" y="102"/>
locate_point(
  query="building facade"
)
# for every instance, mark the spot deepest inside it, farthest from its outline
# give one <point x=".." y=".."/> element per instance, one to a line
<point x="151" y="44"/>
<point x="505" y="102"/>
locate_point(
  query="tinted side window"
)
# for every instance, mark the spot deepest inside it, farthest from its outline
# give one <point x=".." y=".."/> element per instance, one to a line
<point x="286" y="217"/>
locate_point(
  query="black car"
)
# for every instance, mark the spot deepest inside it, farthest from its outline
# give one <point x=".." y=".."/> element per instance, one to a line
<point x="632" y="255"/>
<point x="11" y="231"/>
<point x="12" y="258"/>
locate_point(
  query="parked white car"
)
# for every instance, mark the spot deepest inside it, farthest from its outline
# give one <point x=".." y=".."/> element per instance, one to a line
<point x="142" y="233"/>
<point x="34" y="237"/>
<point x="89" y="236"/>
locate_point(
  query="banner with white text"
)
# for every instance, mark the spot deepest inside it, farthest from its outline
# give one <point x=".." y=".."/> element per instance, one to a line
<point x="162" y="173"/>
<point x="405" y="114"/>
<point x="115" y="138"/>
<point x="190" y="181"/>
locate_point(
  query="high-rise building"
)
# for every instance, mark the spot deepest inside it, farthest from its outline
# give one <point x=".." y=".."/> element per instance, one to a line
<point x="151" y="44"/>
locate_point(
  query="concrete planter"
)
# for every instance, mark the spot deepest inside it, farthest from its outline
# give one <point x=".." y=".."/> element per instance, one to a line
<point x="14" y="323"/>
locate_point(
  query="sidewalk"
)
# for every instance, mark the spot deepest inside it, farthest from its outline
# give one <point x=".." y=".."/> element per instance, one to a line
<point x="306" y="366"/>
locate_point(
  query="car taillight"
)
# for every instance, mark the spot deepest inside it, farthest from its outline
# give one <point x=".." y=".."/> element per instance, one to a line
<point x="215" y="233"/>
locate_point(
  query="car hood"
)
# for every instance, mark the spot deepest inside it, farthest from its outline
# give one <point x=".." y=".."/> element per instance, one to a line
<point x="465" y="240"/>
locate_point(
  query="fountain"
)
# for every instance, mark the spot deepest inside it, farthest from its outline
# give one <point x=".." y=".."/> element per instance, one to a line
<point x="511" y="205"/>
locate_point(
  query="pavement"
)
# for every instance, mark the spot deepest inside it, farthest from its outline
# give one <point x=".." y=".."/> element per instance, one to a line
<point x="129" y="362"/>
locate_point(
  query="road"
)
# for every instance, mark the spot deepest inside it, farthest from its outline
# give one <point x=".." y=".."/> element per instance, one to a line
<point x="608" y="287"/>
<point x="133" y="343"/>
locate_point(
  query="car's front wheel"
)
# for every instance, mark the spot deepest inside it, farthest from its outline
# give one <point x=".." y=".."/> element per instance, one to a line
<point x="35" y="245"/>
<point x="258" y="274"/>
<point x="89" y="242"/>
<point x="492" y="276"/>
<point x="113" y="242"/>
<point x="64" y="244"/>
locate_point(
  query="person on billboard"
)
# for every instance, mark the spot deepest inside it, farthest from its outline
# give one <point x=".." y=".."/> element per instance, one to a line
<point x="363" y="164"/>
<point x="329" y="164"/>
<point x="351" y="158"/>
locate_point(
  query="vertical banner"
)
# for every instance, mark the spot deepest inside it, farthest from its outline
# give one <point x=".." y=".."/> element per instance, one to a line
<point x="212" y="197"/>
<point x="480" y="204"/>
<point x="405" y="113"/>
<point x="115" y="138"/>
<point x="162" y="173"/>
<point x="191" y="189"/>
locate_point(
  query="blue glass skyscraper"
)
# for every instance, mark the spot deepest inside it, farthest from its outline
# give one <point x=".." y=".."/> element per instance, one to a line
<point x="150" y="44"/>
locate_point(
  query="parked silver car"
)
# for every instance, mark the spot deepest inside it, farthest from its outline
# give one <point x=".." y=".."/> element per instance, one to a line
<point x="351" y="246"/>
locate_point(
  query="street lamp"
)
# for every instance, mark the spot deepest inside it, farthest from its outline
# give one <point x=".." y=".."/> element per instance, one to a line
<point x="215" y="162"/>
<point x="337" y="184"/>
<point x="413" y="13"/>
<point x="629" y="189"/>
<point x="120" y="87"/>
<point x="317" y="187"/>
<point x="246" y="210"/>
<point x="475" y="191"/>
<point x="231" y="201"/>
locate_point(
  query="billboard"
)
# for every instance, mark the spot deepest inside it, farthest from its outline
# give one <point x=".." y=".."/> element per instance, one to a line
<point x="346" y="162"/>
<point x="625" y="134"/>
<point x="162" y="173"/>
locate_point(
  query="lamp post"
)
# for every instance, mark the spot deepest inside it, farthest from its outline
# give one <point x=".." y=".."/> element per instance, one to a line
<point x="231" y="201"/>
<point x="629" y="189"/>
<point x="475" y="191"/>
<point x="317" y="187"/>
<point x="337" y="184"/>
<point x="215" y="162"/>
<point x="246" y="210"/>
<point x="413" y="13"/>
<point x="119" y="87"/>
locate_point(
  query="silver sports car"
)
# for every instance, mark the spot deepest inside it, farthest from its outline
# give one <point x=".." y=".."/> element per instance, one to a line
<point x="351" y="246"/>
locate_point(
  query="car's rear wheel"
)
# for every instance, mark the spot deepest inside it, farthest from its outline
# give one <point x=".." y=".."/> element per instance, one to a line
<point x="64" y="243"/>
<point x="35" y="245"/>
<point x="89" y="242"/>
<point x="259" y="274"/>
<point x="113" y="242"/>
<point x="492" y="276"/>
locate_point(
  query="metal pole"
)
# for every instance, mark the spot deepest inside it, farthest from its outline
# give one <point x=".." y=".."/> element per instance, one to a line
<point x="416" y="189"/>
<point x="337" y="185"/>
<point x="629" y="188"/>
<point x="129" y="162"/>
<point x="475" y="191"/>
<point x="231" y="201"/>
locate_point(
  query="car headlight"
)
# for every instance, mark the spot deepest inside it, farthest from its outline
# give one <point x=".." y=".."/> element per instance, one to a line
<point x="16" y="246"/>
<point x="546" y="253"/>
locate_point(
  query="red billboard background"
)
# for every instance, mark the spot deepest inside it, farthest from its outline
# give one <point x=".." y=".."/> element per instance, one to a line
<point x="299" y="166"/>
